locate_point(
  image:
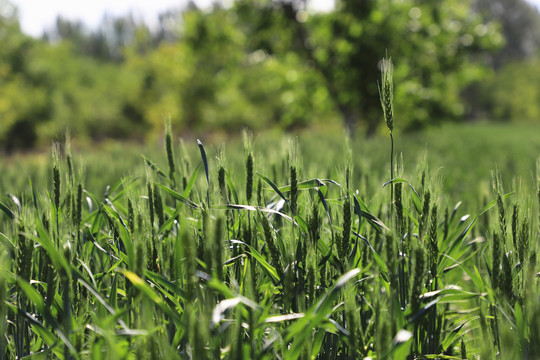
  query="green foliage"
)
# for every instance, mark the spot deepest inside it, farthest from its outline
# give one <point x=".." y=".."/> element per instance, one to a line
<point x="85" y="95"/>
<point x="511" y="94"/>
<point x="256" y="64"/>
<point x="519" y="22"/>
<point x="434" y="63"/>
<point x="21" y="102"/>
<point x="437" y="67"/>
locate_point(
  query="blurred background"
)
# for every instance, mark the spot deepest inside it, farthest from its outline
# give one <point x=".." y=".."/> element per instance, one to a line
<point x="116" y="70"/>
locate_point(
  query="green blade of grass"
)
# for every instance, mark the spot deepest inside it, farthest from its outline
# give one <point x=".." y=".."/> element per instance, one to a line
<point x="268" y="269"/>
<point x="317" y="343"/>
<point x="378" y="260"/>
<point x="178" y="196"/>
<point x="113" y="293"/>
<point x="57" y="257"/>
<point x="38" y="327"/>
<point x="327" y="210"/>
<point x="458" y="240"/>
<point x="283" y="318"/>
<point x="206" y="171"/>
<point x="191" y="182"/>
<point x="522" y="328"/>
<point x="274" y="187"/>
<point x="231" y="186"/>
<point x="362" y="211"/>
<point x="123" y="232"/>
<point x="322" y="308"/>
<point x="7" y="211"/>
<point x="32" y="294"/>
<point x="167" y="225"/>
<point x="7" y="243"/>
<point x="166" y="287"/>
<point x="228" y="304"/>
<point x="252" y="208"/>
<point x="306" y="185"/>
<point x="325" y="249"/>
<point x="301" y="331"/>
<point x="87" y="269"/>
<point x="16" y="201"/>
<point x="326" y="256"/>
<point x="450" y="295"/>
<point x="423" y="310"/>
<point x="147" y="291"/>
<point x="399" y="180"/>
<point x="401" y="346"/>
<point x="453" y="336"/>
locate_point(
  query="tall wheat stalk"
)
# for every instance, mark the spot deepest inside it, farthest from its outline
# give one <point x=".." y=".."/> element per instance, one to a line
<point x="386" y="95"/>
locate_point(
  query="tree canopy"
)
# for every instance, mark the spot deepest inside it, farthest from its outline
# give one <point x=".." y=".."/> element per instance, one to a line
<point x="256" y="64"/>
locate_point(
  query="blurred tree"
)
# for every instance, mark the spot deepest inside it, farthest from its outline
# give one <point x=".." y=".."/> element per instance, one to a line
<point x="108" y="42"/>
<point x="520" y="26"/>
<point x="83" y="94"/>
<point x="121" y="32"/>
<point x="168" y="29"/>
<point x="258" y="63"/>
<point x="208" y="78"/>
<point x="512" y="93"/>
<point x="21" y="104"/>
<point x="514" y="64"/>
<point x="433" y="44"/>
<point x="444" y="53"/>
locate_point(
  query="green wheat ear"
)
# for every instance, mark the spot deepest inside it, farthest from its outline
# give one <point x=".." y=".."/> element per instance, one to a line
<point x="463" y="350"/>
<point x="496" y="259"/>
<point x="169" y="150"/>
<point x="247" y="138"/>
<point x="69" y="157"/>
<point x="249" y="177"/>
<point x="343" y="246"/>
<point x="386" y="92"/>
<point x="56" y="175"/>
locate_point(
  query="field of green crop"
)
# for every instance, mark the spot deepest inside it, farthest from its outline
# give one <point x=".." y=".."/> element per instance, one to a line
<point x="272" y="248"/>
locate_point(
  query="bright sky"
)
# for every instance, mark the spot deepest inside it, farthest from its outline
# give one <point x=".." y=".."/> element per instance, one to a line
<point x="37" y="15"/>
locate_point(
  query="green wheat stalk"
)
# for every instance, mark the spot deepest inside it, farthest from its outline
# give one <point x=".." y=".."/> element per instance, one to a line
<point x="386" y="95"/>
